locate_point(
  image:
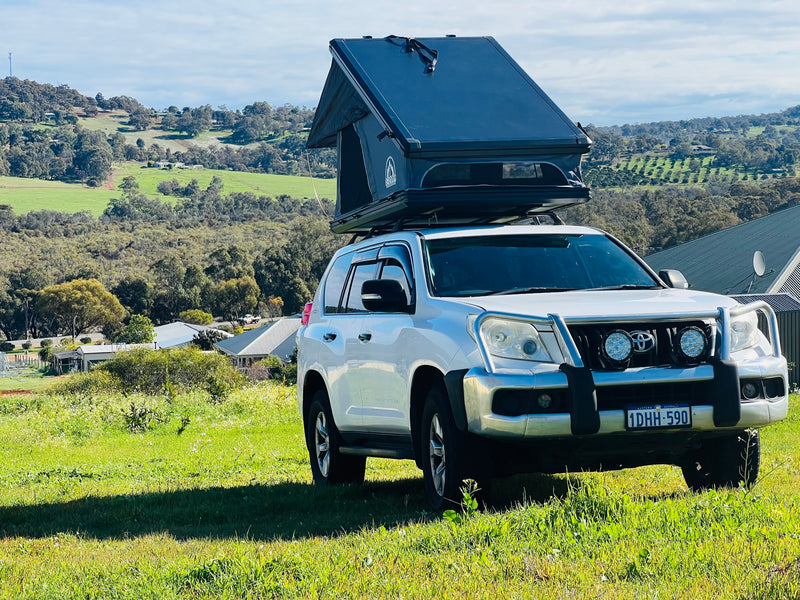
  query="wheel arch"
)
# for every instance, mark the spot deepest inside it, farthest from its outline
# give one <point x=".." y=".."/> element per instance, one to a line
<point x="425" y="378"/>
<point x="312" y="383"/>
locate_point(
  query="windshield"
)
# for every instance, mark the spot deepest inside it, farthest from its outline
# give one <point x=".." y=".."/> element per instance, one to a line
<point x="516" y="264"/>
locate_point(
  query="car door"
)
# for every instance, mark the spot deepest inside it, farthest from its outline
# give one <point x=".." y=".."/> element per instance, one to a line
<point x="383" y="353"/>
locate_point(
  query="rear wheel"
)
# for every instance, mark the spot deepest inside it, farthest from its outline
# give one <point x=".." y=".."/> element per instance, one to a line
<point x="725" y="462"/>
<point x="328" y="464"/>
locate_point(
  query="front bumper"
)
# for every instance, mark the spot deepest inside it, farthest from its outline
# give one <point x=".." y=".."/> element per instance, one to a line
<point x="480" y="387"/>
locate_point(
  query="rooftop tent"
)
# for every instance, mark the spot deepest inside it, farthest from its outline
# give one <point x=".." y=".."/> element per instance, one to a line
<point x="444" y="130"/>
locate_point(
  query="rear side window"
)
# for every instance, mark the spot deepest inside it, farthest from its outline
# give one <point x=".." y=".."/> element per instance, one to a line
<point x="334" y="284"/>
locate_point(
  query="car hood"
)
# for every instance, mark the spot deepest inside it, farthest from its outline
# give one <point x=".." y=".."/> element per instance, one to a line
<point x="605" y="303"/>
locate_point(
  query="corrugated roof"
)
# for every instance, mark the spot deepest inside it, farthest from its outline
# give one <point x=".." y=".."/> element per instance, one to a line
<point x="177" y="334"/>
<point x="778" y="302"/>
<point x="272" y="338"/>
<point x="722" y="262"/>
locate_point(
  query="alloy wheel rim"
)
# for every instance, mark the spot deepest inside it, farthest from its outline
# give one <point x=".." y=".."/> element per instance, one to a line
<point x="322" y="444"/>
<point x="436" y="454"/>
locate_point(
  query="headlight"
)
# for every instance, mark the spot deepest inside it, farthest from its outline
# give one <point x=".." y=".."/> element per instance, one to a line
<point x="744" y="331"/>
<point x="513" y="339"/>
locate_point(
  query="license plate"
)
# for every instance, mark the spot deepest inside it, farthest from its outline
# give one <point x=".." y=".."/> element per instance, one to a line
<point x="658" y="416"/>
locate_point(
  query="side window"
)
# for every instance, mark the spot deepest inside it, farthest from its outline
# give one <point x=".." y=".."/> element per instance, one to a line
<point x="334" y="284"/>
<point x="393" y="270"/>
<point x="361" y="273"/>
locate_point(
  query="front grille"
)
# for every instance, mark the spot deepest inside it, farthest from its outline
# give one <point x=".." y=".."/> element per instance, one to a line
<point x="589" y="340"/>
<point x="618" y="397"/>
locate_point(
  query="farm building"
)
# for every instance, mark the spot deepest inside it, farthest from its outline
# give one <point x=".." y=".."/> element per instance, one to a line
<point x="85" y="357"/>
<point x="276" y="338"/>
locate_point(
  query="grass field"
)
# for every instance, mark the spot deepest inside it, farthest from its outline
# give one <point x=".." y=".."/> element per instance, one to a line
<point x="149" y="497"/>
<point x="25" y="195"/>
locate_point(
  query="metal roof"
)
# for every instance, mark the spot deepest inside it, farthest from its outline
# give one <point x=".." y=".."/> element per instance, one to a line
<point x="273" y="338"/>
<point x="722" y="262"/>
<point x="778" y="302"/>
<point x="179" y="334"/>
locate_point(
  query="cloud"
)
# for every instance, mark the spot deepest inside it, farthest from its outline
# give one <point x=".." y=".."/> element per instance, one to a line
<point x="603" y="62"/>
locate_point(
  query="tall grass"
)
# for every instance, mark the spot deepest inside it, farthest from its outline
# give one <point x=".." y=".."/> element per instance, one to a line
<point x="214" y="500"/>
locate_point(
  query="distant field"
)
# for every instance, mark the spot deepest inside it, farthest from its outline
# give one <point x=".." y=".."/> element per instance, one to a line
<point x="25" y="195"/>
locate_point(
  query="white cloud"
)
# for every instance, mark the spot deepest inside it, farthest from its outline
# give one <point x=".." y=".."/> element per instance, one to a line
<point x="603" y="62"/>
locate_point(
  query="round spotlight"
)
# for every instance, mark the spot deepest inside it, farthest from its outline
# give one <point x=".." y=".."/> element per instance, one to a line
<point x="692" y="344"/>
<point x="618" y="347"/>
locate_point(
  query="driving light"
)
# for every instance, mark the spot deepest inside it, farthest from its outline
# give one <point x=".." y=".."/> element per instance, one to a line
<point x="544" y="400"/>
<point x="617" y="347"/>
<point x="692" y="344"/>
<point x="508" y="338"/>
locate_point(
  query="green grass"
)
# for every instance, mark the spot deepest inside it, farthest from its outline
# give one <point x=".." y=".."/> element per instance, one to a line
<point x="215" y="501"/>
<point x="25" y="195"/>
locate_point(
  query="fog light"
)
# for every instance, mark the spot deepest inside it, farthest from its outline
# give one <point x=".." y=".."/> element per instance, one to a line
<point x="618" y="347"/>
<point x="545" y="400"/>
<point x="750" y="390"/>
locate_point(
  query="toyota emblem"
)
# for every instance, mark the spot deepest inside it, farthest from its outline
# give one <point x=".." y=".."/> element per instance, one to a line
<point x="642" y="341"/>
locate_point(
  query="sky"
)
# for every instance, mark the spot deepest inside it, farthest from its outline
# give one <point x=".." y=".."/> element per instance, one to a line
<point x="604" y="62"/>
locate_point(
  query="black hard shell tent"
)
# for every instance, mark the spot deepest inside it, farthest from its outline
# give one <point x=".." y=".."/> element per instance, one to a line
<point x="442" y="130"/>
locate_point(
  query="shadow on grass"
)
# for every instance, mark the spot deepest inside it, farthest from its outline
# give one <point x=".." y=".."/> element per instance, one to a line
<point x="258" y="512"/>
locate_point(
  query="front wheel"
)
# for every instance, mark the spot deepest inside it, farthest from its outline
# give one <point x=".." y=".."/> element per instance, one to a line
<point x="725" y="462"/>
<point x="328" y="464"/>
<point x="445" y="452"/>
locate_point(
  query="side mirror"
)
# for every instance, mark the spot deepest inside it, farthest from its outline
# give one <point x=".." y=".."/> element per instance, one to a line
<point x="383" y="295"/>
<point x="674" y="279"/>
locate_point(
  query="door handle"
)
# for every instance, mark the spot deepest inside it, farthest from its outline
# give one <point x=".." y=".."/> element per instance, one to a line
<point x="364" y="337"/>
<point x="328" y="337"/>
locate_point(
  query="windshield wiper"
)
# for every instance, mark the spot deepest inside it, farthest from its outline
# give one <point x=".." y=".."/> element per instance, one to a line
<point x="531" y="290"/>
<point x="624" y="286"/>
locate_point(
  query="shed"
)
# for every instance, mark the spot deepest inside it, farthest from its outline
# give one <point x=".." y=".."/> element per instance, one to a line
<point x="445" y="130"/>
<point x="276" y="338"/>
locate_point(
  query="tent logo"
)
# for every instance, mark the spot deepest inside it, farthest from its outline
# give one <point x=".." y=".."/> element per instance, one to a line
<point x="390" y="179"/>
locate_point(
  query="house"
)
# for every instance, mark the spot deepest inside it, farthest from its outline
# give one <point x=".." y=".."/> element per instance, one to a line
<point x="275" y="338"/>
<point x="180" y="334"/>
<point x="723" y="262"/>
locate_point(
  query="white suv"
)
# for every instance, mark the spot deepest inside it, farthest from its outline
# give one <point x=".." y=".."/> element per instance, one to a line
<point x="485" y="351"/>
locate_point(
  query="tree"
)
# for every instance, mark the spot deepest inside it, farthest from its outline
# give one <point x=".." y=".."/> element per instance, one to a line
<point x="236" y="297"/>
<point x="139" y="330"/>
<point x="80" y="305"/>
<point x="206" y="339"/>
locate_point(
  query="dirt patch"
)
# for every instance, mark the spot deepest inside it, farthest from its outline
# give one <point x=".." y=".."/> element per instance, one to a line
<point x="17" y="392"/>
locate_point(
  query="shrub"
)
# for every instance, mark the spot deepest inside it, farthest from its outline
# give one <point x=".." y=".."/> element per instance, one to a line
<point x="196" y="317"/>
<point x="27" y="345"/>
<point x="86" y="340"/>
<point x="206" y="339"/>
<point x="96" y="382"/>
<point x="6" y="346"/>
<point x="168" y="371"/>
<point x="46" y="342"/>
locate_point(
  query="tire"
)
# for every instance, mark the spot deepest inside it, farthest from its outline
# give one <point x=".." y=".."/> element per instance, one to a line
<point x="446" y="455"/>
<point x="328" y="465"/>
<point x="725" y="462"/>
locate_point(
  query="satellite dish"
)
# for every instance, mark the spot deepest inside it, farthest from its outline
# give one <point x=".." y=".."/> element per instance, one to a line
<point x="759" y="264"/>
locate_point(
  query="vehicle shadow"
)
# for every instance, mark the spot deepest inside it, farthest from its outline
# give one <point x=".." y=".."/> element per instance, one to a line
<point x="258" y="512"/>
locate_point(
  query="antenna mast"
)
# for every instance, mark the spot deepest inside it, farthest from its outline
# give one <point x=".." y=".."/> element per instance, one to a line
<point x="10" y="74"/>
